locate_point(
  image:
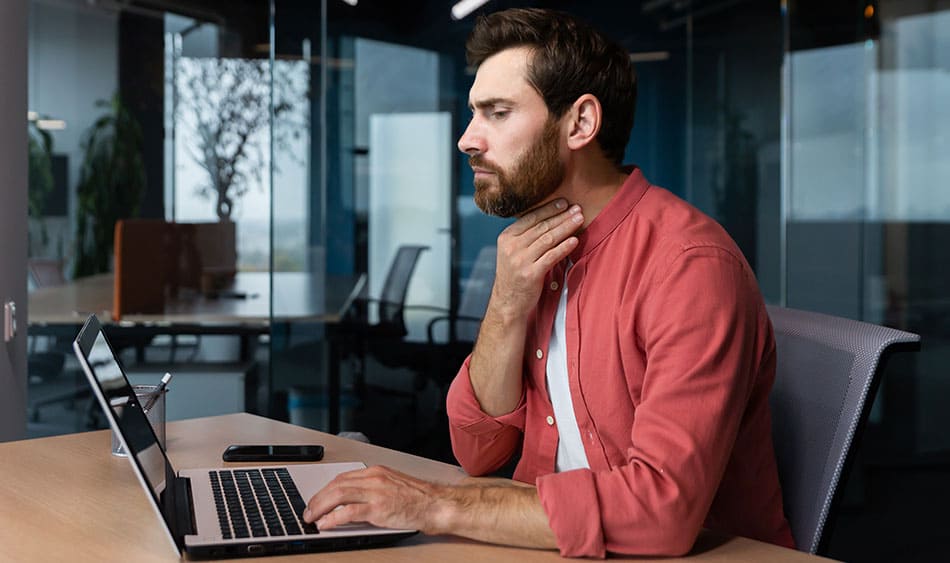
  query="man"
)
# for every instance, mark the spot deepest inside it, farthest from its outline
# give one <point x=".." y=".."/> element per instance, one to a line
<point x="625" y="353"/>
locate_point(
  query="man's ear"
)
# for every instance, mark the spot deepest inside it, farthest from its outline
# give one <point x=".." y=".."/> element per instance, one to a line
<point x="585" y="119"/>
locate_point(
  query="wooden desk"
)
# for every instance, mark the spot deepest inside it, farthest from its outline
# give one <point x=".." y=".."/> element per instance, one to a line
<point x="67" y="498"/>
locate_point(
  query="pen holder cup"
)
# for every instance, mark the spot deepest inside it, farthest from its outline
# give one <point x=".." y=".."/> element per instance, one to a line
<point x="155" y="415"/>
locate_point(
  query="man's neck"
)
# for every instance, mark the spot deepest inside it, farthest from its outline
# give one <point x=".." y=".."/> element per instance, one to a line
<point x="591" y="186"/>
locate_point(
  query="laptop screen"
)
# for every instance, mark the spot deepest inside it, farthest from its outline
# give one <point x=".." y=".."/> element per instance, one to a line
<point x="141" y="443"/>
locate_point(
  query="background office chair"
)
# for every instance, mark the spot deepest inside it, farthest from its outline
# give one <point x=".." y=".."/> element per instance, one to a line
<point x="381" y="339"/>
<point x="452" y="336"/>
<point x="355" y="338"/>
<point x="474" y="300"/>
<point x="384" y="339"/>
<point x="46" y="272"/>
<point x="450" y="339"/>
<point x="828" y="370"/>
<point x="46" y="353"/>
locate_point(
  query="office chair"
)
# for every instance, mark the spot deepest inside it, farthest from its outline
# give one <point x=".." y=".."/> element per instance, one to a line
<point x="47" y="362"/>
<point x="449" y="351"/>
<point x="45" y="272"/>
<point x="382" y="340"/>
<point x="451" y="335"/>
<point x="828" y="370"/>
<point x="473" y="302"/>
<point x="391" y="303"/>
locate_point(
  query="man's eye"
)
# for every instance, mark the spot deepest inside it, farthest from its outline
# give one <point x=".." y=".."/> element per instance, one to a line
<point x="499" y="114"/>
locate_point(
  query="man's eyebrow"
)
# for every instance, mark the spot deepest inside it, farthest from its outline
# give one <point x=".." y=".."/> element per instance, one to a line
<point x="489" y="102"/>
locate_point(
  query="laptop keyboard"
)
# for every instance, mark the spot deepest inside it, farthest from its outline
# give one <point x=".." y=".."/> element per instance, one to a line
<point x="258" y="503"/>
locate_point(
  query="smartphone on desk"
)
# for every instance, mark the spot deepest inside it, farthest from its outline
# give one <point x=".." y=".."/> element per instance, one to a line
<point x="307" y="452"/>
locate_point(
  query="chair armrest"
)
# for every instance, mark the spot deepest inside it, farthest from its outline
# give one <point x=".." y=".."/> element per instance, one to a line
<point x="404" y="306"/>
<point x="358" y="289"/>
<point x="428" y="308"/>
<point x="436" y="320"/>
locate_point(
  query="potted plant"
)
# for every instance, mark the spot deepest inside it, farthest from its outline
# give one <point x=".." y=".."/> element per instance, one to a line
<point x="40" y="179"/>
<point x="111" y="184"/>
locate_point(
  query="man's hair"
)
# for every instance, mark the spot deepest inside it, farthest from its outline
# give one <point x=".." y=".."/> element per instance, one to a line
<point x="570" y="58"/>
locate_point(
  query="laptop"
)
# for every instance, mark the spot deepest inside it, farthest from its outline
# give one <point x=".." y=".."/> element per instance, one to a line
<point x="217" y="512"/>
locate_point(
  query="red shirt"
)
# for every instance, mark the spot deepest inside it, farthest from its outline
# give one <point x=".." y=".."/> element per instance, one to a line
<point x="670" y="359"/>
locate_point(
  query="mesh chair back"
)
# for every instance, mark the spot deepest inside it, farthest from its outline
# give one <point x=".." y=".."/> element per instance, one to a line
<point x="474" y="299"/>
<point x="393" y="294"/>
<point x="827" y="373"/>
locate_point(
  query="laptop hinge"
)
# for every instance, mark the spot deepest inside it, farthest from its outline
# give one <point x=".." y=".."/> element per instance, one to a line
<point x="181" y="510"/>
<point x="186" y="517"/>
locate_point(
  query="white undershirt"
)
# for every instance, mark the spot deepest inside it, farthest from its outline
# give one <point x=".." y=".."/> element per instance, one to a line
<point x="570" y="448"/>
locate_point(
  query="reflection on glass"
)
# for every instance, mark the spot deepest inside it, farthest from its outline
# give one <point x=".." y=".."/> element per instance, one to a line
<point x="125" y="407"/>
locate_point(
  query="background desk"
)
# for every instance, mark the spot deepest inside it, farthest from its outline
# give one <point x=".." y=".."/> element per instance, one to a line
<point x="68" y="499"/>
<point x="301" y="297"/>
<point x="298" y="298"/>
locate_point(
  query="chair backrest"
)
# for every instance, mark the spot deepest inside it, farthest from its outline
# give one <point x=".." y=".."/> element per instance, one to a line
<point x="142" y="266"/>
<point x="155" y="257"/>
<point x="474" y="298"/>
<point x="392" y="298"/>
<point x="828" y="370"/>
<point x="46" y="272"/>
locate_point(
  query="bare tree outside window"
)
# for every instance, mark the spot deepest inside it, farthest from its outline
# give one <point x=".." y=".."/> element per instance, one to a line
<point x="227" y="104"/>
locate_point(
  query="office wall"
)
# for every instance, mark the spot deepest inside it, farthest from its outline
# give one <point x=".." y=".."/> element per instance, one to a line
<point x="13" y="213"/>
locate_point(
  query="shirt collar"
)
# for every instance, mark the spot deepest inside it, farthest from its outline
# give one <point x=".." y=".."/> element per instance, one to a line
<point x="619" y="206"/>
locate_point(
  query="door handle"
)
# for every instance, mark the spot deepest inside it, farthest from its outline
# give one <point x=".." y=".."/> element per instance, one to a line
<point x="9" y="321"/>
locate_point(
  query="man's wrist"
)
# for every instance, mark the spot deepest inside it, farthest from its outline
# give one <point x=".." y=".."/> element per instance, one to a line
<point x="445" y="512"/>
<point x="505" y="317"/>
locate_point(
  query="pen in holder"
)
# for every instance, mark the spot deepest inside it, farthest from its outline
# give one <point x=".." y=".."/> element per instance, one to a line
<point x="152" y="397"/>
<point x="157" y="392"/>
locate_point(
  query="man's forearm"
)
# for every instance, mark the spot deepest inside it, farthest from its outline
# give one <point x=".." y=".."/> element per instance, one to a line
<point x="527" y="250"/>
<point x="504" y="514"/>
<point x="495" y="369"/>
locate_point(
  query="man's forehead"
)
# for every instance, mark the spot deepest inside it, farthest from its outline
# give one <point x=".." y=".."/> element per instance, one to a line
<point x="503" y="76"/>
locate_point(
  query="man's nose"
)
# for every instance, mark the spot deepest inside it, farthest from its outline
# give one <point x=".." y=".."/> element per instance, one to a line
<point x="471" y="142"/>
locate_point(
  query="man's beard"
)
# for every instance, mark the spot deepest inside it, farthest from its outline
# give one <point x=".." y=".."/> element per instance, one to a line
<point x="536" y="176"/>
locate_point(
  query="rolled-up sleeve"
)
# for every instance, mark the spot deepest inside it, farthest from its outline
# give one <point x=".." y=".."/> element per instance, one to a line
<point x="481" y="443"/>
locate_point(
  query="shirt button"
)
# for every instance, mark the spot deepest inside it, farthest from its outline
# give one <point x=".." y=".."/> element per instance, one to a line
<point x="554" y="286"/>
<point x="539" y="354"/>
<point x="550" y="420"/>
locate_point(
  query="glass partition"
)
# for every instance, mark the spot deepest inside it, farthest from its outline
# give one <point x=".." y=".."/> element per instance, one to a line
<point x="155" y="118"/>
